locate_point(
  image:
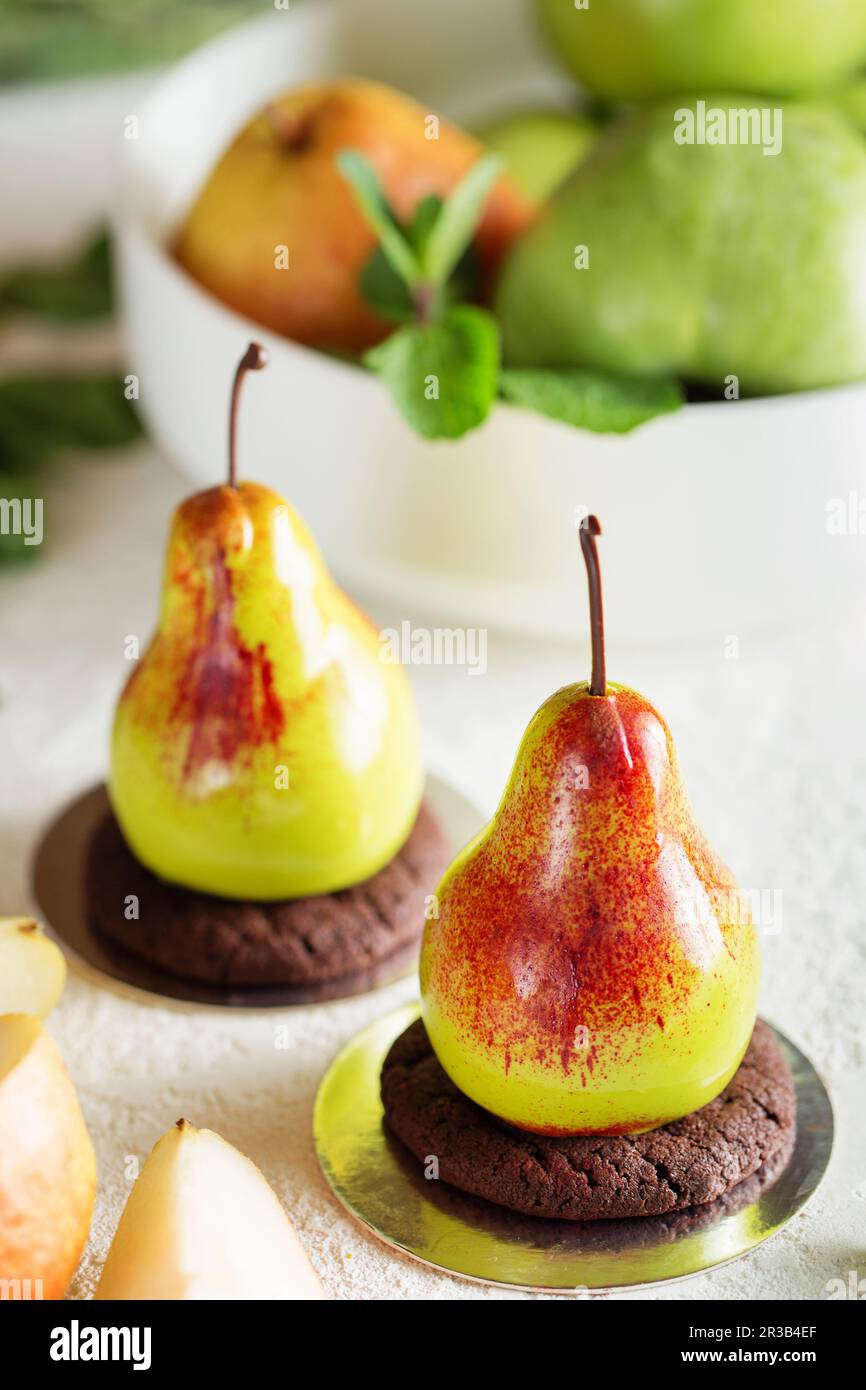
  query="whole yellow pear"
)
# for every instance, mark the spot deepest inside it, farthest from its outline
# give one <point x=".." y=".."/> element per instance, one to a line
<point x="277" y="185"/>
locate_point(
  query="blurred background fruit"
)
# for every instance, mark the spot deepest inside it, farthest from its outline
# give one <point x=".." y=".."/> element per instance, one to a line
<point x="380" y="496"/>
<point x="541" y="148"/>
<point x="278" y="185"/>
<point x="850" y="98"/>
<point x="632" y="49"/>
<point x="704" y="260"/>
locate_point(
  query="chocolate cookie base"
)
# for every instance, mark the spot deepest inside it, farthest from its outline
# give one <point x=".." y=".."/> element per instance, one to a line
<point x="693" y="1161"/>
<point x="295" y="943"/>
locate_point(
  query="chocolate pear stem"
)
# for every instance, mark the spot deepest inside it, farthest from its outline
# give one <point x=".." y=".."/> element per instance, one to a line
<point x="253" y="360"/>
<point x="589" y="529"/>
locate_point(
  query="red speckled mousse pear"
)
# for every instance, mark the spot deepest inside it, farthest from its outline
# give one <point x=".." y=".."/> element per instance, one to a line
<point x="593" y="968"/>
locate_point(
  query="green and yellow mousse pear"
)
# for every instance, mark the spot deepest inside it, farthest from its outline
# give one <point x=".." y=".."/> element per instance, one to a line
<point x="593" y="968"/>
<point x="541" y="148"/>
<point x="632" y="49"/>
<point x="261" y="748"/>
<point x="705" y="259"/>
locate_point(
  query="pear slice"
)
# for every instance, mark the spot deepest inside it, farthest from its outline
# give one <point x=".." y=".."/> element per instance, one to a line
<point x="32" y="968"/>
<point x="47" y="1164"/>
<point x="202" y="1223"/>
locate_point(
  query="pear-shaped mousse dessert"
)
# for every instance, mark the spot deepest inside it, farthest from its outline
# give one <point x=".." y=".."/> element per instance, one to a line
<point x="592" y="968"/>
<point x="263" y="750"/>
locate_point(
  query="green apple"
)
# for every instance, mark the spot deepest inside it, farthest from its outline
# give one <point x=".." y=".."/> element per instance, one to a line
<point x="704" y="260"/>
<point x="541" y="148"/>
<point x="632" y="49"/>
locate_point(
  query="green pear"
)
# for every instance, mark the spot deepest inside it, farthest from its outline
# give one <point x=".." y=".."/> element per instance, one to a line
<point x="850" y="98"/>
<point x="592" y="967"/>
<point x="541" y="148"/>
<point x="633" y="49"/>
<point x="262" y="747"/>
<point x="707" y="260"/>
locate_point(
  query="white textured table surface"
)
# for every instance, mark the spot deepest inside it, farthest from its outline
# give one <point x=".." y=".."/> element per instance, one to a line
<point x="772" y="747"/>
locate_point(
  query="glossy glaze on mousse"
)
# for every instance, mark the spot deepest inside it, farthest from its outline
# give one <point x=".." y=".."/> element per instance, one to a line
<point x="262" y="748"/>
<point x="593" y="967"/>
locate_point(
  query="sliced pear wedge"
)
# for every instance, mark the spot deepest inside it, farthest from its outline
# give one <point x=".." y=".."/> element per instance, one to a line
<point x="202" y="1223"/>
<point x="32" y="968"/>
<point x="47" y="1164"/>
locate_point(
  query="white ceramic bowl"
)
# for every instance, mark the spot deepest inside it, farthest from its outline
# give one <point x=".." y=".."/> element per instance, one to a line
<point x="715" y="519"/>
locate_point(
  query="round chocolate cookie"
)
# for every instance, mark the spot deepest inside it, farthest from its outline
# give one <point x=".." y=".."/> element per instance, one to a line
<point x="295" y="943"/>
<point x="589" y="1177"/>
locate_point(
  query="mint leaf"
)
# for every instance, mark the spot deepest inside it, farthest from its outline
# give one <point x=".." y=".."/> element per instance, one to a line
<point x="13" y="547"/>
<point x="362" y="178"/>
<point x="42" y="417"/>
<point x="426" y="215"/>
<point x="454" y="227"/>
<point x="56" y="413"/>
<point x="466" y="280"/>
<point x="443" y="376"/>
<point x="79" y="290"/>
<point x="385" y="290"/>
<point x="599" y="401"/>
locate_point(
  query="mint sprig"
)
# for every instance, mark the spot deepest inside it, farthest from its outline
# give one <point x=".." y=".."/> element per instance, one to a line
<point x="441" y="364"/>
<point x="398" y="249"/>
<point x="443" y="376"/>
<point x="385" y="290"/>
<point x="455" y="223"/>
<point x="80" y="289"/>
<point x="599" y="401"/>
<point x="46" y="417"/>
<point x="442" y="361"/>
<point x="58" y="414"/>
